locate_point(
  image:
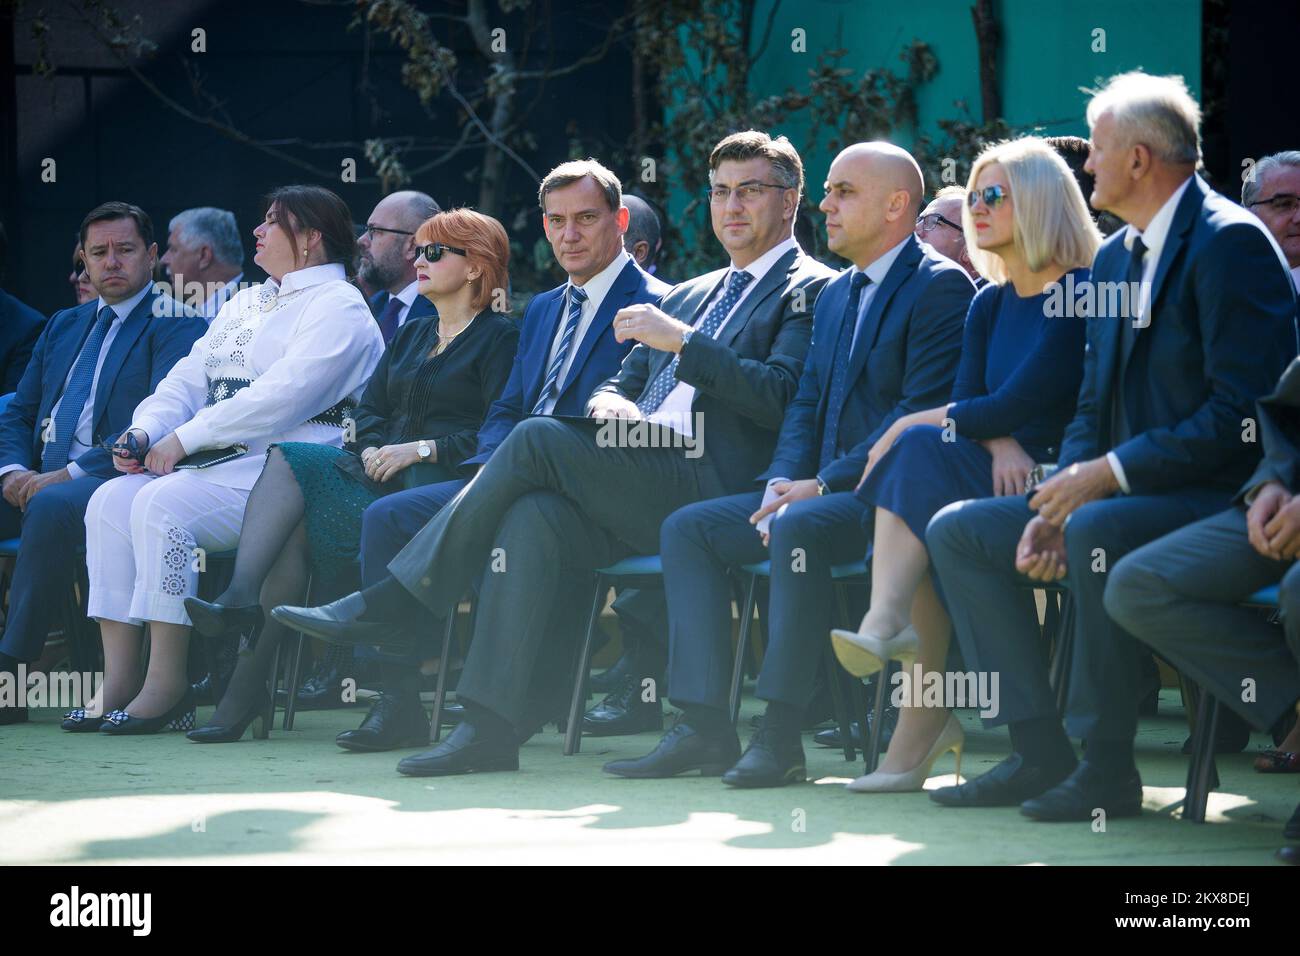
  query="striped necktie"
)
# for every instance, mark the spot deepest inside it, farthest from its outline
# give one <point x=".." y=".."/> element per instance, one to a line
<point x="837" y="389"/>
<point x="666" y="380"/>
<point x="73" y="403"/>
<point x="577" y="296"/>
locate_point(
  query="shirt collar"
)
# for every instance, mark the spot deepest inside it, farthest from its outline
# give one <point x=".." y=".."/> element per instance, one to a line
<point x="407" y="295"/>
<point x="222" y="295"/>
<point x="123" y="309"/>
<point x="598" y="286"/>
<point x="1295" y="278"/>
<point x="763" y="264"/>
<point x="312" y="275"/>
<point x="878" y="269"/>
<point x="1157" y="230"/>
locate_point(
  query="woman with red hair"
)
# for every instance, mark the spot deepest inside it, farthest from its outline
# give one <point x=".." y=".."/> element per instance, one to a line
<point x="417" y="421"/>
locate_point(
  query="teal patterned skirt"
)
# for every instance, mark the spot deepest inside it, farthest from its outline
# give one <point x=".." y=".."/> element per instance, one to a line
<point x="334" y="504"/>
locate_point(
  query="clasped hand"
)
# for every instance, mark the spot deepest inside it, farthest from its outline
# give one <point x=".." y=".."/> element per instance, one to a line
<point x="383" y="463"/>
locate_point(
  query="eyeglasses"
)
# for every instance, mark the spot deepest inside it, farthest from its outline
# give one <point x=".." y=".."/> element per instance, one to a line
<point x="932" y="220"/>
<point x="745" y="192"/>
<point x="434" y="250"/>
<point x="993" y="196"/>
<point x="371" y="230"/>
<point x="1284" y="203"/>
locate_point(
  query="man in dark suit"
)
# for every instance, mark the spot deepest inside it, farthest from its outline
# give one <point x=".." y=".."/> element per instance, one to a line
<point x="886" y="338"/>
<point x="1181" y="594"/>
<point x="560" y="498"/>
<point x="1192" y="323"/>
<point x="566" y="349"/>
<point x="387" y="260"/>
<point x="20" y="326"/>
<point x="91" y="367"/>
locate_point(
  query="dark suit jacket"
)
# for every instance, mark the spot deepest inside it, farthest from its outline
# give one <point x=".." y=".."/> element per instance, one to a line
<point x="145" y="348"/>
<point x="420" y="308"/>
<point x="1222" y="330"/>
<point x="1279" y="431"/>
<point x="745" y="377"/>
<point x="20" y="327"/>
<point x="904" y="361"/>
<point x="597" y="358"/>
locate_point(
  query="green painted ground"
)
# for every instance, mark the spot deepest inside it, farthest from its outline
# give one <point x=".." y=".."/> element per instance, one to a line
<point x="71" y="798"/>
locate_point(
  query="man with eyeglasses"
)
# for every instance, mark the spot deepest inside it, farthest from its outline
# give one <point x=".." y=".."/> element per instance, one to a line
<point x="1273" y="194"/>
<point x="939" y="226"/>
<point x="387" y="260"/>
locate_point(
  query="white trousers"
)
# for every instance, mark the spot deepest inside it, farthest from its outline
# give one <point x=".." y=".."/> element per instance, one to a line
<point x="143" y="541"/>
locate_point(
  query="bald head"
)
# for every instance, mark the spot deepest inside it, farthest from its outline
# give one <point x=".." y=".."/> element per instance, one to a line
<point x="873" y="195"/>
<point x="388" y="245"/>
<point x="411" y="207"/>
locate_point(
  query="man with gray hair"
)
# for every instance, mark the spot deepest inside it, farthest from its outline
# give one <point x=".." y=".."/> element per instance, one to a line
<point x="1159" y="440"/>
<point x="388" y="256"/>
<point x="939" y="225"/>
<point x="204" y="253"/>
<point x="1272" y="192"/>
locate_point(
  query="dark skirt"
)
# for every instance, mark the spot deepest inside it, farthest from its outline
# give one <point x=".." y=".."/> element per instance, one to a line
<point x="334" y="502"/>
<point x="922" y="473"/>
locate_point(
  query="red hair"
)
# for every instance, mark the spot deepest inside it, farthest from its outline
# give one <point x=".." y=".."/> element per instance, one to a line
<point x="485" y="241"/>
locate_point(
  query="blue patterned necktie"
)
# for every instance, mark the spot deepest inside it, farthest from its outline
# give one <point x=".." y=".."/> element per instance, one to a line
<point x="75" y="395"/>
<point x="666" y="380"/>
<point x="840" y="369"/>
<point x="577" y="296"/>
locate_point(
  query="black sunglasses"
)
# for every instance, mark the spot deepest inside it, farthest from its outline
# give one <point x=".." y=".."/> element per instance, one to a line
<point x="434" y="250"/>
<point x="932" y="219"/>
<point x="993" y="196"/>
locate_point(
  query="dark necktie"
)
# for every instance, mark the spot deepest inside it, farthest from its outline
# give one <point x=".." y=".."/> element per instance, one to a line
<point x="838" y="386"/>
<point x="666" y="380"/>
<point x="1119" y="425"/>
<point x="388" y="318"/>
<point x="577" y="296"/>
<point x="74" y="398"/>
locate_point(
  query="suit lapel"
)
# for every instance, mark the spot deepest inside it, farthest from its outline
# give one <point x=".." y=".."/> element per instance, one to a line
<point x="775" y="279"/>
<point x="619" y="295"/>
<point x="123" y="342"/>
<point x="904" y="265"/>
<point x="62" y="363"/>
<point x="550" y="322"/>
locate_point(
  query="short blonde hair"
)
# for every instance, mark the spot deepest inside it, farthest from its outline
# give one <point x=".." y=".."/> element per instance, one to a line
<point x="1156" y="111"/>
<point x="1050" y="220"/>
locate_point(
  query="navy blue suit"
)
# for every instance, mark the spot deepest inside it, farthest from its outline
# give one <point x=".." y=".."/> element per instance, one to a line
<point x="1170" y="400"/>
<point x="904" y="359"/>
<point x="20" y="326"/>
<point x="146" y="346"/>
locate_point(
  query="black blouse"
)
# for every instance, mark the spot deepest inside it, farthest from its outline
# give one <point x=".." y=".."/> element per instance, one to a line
<point x="443" y="399"/>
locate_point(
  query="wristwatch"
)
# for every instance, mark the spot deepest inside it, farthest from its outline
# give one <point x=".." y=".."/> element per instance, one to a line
<point x="423" y="450"/>
<point x="821" y="488"/>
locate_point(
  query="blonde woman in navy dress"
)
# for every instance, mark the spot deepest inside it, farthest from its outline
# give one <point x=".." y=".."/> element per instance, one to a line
<point x="282" y="361"/>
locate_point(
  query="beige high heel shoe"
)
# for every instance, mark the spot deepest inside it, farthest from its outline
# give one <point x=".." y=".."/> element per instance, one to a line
<point x="864" y="654"/>
<point x="952" y="737"/>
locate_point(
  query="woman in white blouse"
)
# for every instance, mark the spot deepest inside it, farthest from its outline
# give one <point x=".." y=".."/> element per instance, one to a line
<point x="283" y="361"/>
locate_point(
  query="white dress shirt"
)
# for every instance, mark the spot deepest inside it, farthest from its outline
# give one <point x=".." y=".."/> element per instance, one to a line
<point x="305" y="345"/>
<point x="84" y="437"/>
<point x="1153" y="237"/>
<point x="597" y="287"/>
<point x="876" y="272"/>
<point x="219" y="298"/>
<point x="675" y="412"/>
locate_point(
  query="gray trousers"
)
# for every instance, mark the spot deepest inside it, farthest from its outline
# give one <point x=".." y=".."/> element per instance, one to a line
<point x="1181" y="595"/>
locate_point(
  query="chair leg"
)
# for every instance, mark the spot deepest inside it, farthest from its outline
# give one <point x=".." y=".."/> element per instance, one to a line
<point x="877" y="724"/>
<point x="444" y="665"/>
<point x="573" y="729"/>
<point x="1202" y="773"/>
<point x="836" y="676"/>
<point x="272" y="681"/>
<point x="742" y="644"/>
<point x="1063" y="657"/>
<point x="291" y="691"/>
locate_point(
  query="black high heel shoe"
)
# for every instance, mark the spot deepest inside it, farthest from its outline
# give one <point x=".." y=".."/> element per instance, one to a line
<point x="181" y="717"/>
<point x="213" y="734"/>
<point x="220" y="620"/>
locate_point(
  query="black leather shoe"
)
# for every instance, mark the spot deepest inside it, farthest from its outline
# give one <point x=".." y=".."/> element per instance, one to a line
<point x="466" y="750"/>
<point x="322" y="690"/>
<point x="13" y="715"/>
<point x="1009" y="784"/>
<point x="681" y="750"/>
<point x="1085" y="791"/>
<point x="607" y="681"/>
<point x="624" y="712"/>
<point x="213" y="733"/>
<point x="1232" y="735"/>
<point x="392" y="723"/>
<point x="339" y="623"/>
<point x="76" y="722"/>
<point x="221" y="620"/>
<point x="768" y="762"/>
<point x="119" y="723"/>
<point x="831" y="736"/>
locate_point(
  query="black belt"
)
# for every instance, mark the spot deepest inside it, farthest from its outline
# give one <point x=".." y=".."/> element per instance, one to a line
<point x="220" y="389"/>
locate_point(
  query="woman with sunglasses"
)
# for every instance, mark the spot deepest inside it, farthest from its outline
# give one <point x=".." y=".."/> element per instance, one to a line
<point x="423" y="407"/>
<point x="282" y="361"/>
<point x="1026" y="226"/>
